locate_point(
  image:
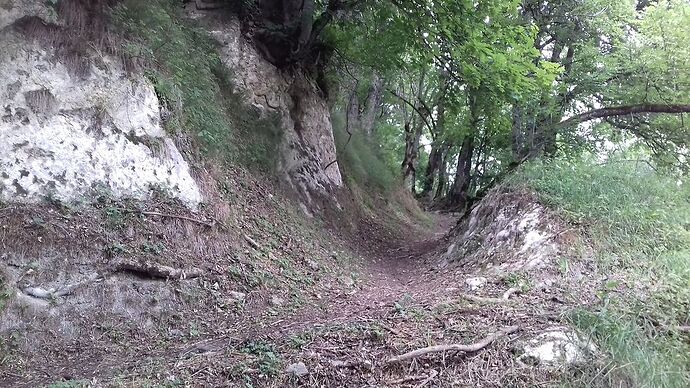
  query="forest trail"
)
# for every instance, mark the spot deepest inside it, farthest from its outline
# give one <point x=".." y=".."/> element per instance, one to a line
<point x="392" y="271"/>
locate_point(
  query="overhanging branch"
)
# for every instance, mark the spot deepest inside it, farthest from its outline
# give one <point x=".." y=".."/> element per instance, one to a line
<point x="624" y="111"/>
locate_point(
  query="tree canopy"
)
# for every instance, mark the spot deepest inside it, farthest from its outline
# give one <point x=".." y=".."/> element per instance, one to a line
<point x="470" y="89"/>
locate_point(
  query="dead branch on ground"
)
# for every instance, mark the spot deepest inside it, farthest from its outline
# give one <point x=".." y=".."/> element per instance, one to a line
<point x="155" y="270"/>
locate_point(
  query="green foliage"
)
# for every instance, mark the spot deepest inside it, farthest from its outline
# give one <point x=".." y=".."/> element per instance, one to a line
<point x="639" y="351"/>
<point x="638" y="223"/>
<point x="639" y="212"/>
<point x="267" y="357"/>
<point x="70" y="384"/>
<point x="185" y="59"/>
<point x="192" y="83"/>
<point x="359" y="159"/>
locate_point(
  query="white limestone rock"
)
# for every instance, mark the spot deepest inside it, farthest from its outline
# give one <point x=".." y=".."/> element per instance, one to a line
<point x="557" y="348"/>
<point x="73" y="138"/>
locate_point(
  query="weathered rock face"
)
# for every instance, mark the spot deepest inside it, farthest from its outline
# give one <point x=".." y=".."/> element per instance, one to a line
<point x="508" y="231"/>
<point x="75" y="136"/>
<point x="307" y="159"/>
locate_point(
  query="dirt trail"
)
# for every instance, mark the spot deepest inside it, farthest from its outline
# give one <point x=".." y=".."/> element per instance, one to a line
<point x="392" y="272"/>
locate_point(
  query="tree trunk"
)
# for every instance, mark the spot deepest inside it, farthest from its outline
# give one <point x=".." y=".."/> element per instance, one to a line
<point x="438" y="143"/>
<point x="352" y="120"/>
<point x="458" y="195"/>
<point x="409" y="165"/>
<point x="435" y="157"/>
<point x="518" y="138"/>
<point x="443" y="172"/>
<point x="372" y="105"/>
<point x="458" y="192"/>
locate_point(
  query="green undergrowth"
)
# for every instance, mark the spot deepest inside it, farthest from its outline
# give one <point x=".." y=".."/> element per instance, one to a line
<point x="638" y="223"/>
<point x="360" y="161"/>
<point x="181" y="60"/>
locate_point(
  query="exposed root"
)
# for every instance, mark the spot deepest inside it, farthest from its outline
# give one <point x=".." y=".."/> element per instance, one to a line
<point x="484" y="300"/>
<point x="158" y="271"/>
<point x="52" y="293"/>
<point x="454" y="347"/>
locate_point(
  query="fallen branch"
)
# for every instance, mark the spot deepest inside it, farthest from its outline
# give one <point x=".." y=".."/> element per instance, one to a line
<point x="157" y="214"/>
<point x="52" y="293"/>
<point x="454" y="347"/>
<point x="155" y="270"/>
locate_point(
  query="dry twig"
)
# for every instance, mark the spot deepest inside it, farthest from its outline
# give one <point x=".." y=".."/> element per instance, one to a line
<point x="510" y="292"/>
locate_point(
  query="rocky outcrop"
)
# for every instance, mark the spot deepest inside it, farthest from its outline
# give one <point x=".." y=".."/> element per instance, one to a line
<point x="307" y="151"/>
<point x="74" y="136"/>
<point x="507" y="231"/>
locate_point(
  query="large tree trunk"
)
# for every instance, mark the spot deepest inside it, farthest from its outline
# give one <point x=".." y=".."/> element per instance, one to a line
<point x="438" y="143"/>
<point x="442" y="172"/>
<point x="459" y="191"/>
<point x="435" y="158"/>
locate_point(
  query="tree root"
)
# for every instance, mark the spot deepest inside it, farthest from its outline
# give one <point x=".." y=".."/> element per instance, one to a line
<point x="52" y="293"/>
<point x="483" y="300"/>
<point x="454" y="347"/>
<point x="158" y="271"/>
<point x="252" y="243"/>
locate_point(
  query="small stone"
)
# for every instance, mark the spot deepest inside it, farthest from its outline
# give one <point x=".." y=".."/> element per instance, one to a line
<point x="238" y="296"/>
<point x="277" y="301"/>
<point x="312" y="264"/>
<point x="298" y="369"/>
<point x="176" y="333"/>
<point x="347" y="281"/>
<point x="475" y="283"/>
<point x="338" y="363"/>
